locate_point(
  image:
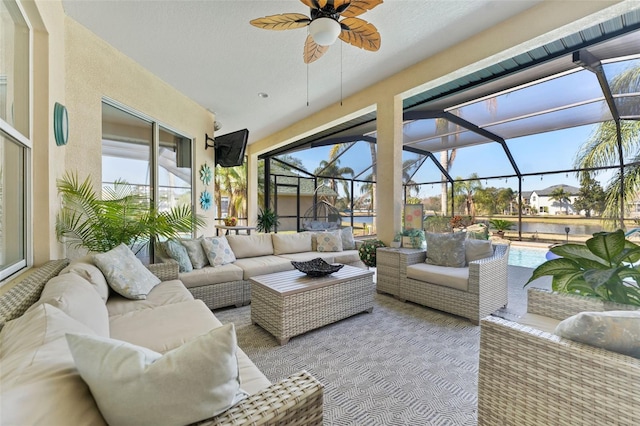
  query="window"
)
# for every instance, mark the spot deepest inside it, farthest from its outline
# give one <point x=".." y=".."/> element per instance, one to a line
<point x="159" y="166"/>
<point x="14" y="139"/>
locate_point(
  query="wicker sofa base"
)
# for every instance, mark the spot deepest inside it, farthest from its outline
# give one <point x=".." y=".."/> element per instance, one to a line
<point x="224" y="294"/>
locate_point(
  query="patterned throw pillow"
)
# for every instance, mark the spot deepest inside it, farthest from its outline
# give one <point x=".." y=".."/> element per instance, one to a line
<point x="617" y="331"/>
<point x="348" y="242"/>
<point x="446" y="249"/>
<point x="178" y="253"/>
<point x="328" y="241"/>
<point x="218" y="251"/>
<point x="125" y="274"/>
<point x="196" y="253"/>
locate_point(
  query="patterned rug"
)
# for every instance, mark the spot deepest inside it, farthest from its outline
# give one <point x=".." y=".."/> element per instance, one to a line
<point x="403" y="364"/>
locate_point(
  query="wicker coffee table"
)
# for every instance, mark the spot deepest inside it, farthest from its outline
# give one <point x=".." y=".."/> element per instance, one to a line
<point x="290" y="303"/>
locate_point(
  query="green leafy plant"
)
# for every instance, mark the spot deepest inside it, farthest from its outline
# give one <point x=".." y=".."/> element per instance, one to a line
<point x="603" y="267"/>
<point x="501" y="225"/>
<point x="416" y="237"/>
<point x="398" y="237"/>
<point x="267" y="220"/>
<point x="120" y="216"/>
<point x="367" y="251"/>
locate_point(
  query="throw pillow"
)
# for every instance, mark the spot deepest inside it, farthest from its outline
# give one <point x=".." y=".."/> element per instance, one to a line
<point x="348" y="242"/>
<point x="85" y="268"/>
<point x="446" y="249"/>
<point x="329" y="241"/>
<point x="218" y="251"/>
<point x="133" y="385"/>
<point x="125" y="273"/>
<point x="196" y="253"/>
<point x="617" y="331"/>
<point x="77" y="298"/>
<point x="477" y="249"/>
<point x="178" y="252"/>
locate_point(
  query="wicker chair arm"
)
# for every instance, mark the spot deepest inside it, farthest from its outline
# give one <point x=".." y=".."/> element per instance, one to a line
<point x="490" y="271"/>
<point x="529" y="377"/>
<point x="296" y="400"/>
<point x="166" y="271"/>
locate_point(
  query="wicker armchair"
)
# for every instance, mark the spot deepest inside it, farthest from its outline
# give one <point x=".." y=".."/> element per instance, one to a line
<point x="487" y="290"/>
<point x="530" y="377"/>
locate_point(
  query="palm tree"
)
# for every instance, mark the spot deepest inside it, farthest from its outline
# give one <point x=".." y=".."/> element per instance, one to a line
<point x="232" y="181"/>
<point x="330" y="171"/>
<point x="601" y="149"/>
<point x="467" y="190"/>
<point x="561" y="195"/>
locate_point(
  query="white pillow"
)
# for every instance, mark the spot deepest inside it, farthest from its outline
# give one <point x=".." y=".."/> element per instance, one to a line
<point x="617" y="331"/>
<point x="196" y="253"/>
<point x="218" y="251"/>
<point x="77" y="298"/>
<point x="125" y="273"/>
<point x="477" y="249"/>
<point x="329" y="241"/>
<point x="133" y="385"/>
<point x="348" y="242"/>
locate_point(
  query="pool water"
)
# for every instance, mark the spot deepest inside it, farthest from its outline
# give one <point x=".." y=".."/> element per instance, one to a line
<point x="528" y="257"/>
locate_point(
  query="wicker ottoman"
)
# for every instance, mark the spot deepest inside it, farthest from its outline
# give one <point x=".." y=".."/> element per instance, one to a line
<point x="290" y="303"/>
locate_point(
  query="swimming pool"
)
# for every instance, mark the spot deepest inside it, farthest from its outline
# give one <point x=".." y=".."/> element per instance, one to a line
<point x="529" y="257"/>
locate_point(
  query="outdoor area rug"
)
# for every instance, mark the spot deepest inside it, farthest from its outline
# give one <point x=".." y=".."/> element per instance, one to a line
<point x="402" y="364"/>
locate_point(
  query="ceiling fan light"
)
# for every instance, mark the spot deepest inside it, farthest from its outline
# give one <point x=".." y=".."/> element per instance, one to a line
<point x="325" y="31"/>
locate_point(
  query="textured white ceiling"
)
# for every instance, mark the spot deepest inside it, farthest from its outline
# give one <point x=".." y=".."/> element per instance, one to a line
<point x="210" y="52"/>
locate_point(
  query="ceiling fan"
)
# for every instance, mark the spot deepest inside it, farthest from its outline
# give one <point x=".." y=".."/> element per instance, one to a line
<point x="326" y="25"/>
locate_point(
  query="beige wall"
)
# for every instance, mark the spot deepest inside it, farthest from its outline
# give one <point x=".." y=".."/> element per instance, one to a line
<point x="76" y="68"/>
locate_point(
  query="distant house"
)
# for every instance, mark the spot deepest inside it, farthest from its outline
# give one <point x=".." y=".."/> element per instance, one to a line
<point x="540" y="201"/>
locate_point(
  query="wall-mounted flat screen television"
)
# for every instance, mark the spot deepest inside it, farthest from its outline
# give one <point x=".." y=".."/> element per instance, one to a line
<point x="230" y="148"/>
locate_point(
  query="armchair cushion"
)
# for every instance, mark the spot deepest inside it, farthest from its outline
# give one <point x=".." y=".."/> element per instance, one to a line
<point x="457" y="278"/>
<point x="446" y="249"/>
<point x="477" y="249"/>
<point x="617" y="331"/>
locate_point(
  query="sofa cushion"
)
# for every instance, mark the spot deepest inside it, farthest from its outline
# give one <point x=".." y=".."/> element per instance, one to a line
<point x="193" y="382"/>
<point x="329" y="241"/>
<point x="244" y="246"/>
<point x="77" y="298"/>
<point x="477" y="249"/>
<point x="261" y="265"/>
<point x="617" y="331"/>
<point x="218" y="251"/>
<point x="347" y="257"/>
<point x="457" y="278"/>
<point x="314" y="245"/>
<point x="85" y="268"/>
<point x="348" y="242"/>
<point x="210" y="275"/>
<point x="310" y="255"/>
<point x="40" y="384"/>
<point x="125" y="273"/>
<point x="291" y="243"/>
<point x="178" y="252"/>
<point x="165" y="293"/>
<point x="163" y="328"/>
<point x="196" y="253"/>
<point x="446" y="249"/>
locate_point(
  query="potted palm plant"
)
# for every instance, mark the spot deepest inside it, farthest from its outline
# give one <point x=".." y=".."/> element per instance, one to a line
<point x="120" y="216"/>
<point x="267" y="220"/>
<point x="500" y="225"/>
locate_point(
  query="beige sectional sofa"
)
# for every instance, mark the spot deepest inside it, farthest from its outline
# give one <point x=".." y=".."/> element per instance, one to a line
<point x="259" y="254"/>
<point x="40" y="381"/>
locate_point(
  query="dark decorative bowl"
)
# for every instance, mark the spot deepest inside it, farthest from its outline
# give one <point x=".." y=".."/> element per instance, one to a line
<point x="316" y="267"/>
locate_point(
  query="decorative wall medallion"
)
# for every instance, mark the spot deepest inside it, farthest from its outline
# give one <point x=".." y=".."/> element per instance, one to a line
<point x="205" y="200"/>
<point x="60" y="124"/>
<point x="205" y="174"/>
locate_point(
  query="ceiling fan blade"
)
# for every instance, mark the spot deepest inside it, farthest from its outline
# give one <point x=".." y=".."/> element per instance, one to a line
<point x="315" y="4"/>
<point x="357" y="7"/>
<point x="285" y="21"/>
<point x="312" y="50"/>
<point x="360" y="33"/>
